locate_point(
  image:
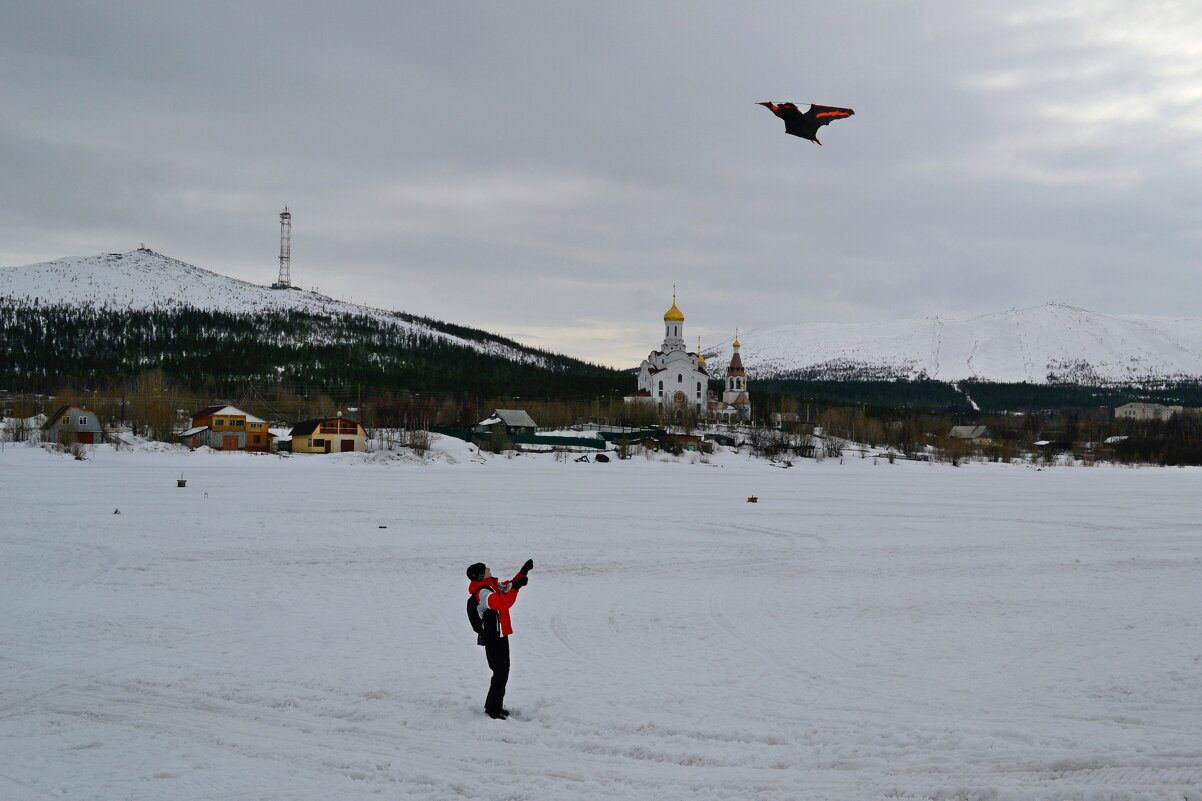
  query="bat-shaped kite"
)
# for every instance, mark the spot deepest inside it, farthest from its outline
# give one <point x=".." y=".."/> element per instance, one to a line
<point x="806" y="124"/>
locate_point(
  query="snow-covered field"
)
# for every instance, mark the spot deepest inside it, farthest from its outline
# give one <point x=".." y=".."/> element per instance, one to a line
<point x="293" y="628"/>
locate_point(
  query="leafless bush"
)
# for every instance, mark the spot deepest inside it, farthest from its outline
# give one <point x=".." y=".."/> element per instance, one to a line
<point x="833" y="447"/>
<point x="418" y="440"/>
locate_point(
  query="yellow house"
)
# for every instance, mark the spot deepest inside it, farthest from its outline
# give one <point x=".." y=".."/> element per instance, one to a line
<point x="329" y="435"/>
<point x="227" y="428"/>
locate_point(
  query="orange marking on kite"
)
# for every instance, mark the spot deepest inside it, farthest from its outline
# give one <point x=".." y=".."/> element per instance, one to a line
<point x="831" y="114"/>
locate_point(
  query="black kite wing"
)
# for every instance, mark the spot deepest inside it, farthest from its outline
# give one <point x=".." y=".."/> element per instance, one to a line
<point x="806" y="124"/>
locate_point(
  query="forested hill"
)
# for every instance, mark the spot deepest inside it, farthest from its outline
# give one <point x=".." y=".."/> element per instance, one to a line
<point x="47" y="347"/>
<point x="102" y="320"/>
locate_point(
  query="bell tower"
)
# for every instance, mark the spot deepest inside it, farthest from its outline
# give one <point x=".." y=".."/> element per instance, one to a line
<point x="736" y="393"/>
<point x="673" y="326"/>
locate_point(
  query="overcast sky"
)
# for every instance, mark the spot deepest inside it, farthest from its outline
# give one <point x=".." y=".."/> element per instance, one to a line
<point x="548" y="170"/>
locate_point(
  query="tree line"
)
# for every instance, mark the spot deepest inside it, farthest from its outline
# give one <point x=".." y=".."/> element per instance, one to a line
<point x="148" y="367"/>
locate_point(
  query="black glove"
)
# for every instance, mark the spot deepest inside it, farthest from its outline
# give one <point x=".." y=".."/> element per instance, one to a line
<point x="519" y="582"/>
<point x="526" y="568"/>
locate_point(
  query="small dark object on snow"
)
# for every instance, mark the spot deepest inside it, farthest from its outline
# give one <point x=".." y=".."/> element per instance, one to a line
<point x="806" y="124"/>
<point x="753" y="499"/>
<point x="601" y="457"/>
<point x="116" y="511"/>
<point x="383" y="526"/>
<point x="181" y="482"/>
<point x="583" y="458"/>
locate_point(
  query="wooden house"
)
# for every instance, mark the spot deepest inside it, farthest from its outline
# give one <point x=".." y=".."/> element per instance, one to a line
<point x="227" y="428"/>
<point x="329" y="435"/>
<point x="71" y="424"/>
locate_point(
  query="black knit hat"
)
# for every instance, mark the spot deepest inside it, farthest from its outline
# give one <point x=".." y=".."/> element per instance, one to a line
<point x="476" y="572"/>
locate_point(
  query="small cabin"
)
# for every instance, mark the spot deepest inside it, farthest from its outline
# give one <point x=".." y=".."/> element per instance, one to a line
<point x="73" y="424"/>
<point x="507" y="421"/>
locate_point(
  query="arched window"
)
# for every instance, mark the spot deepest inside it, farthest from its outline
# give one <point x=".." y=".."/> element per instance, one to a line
<point x="661" y="387"/>
<point x="679" y="378"/>
<point x="698" y="386"/>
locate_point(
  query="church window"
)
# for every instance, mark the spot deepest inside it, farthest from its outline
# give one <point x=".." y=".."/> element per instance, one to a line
<point x="698" y="386"/>
<point x="679" y="378"/>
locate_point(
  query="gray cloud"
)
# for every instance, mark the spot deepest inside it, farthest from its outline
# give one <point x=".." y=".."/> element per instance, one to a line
<point x="549" y="170"/>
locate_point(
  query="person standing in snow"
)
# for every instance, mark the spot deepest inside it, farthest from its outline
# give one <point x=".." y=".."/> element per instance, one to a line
<point x="493" y="600"/>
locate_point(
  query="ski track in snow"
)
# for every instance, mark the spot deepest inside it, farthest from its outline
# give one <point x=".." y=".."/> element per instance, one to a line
<point x="866" y="631"/>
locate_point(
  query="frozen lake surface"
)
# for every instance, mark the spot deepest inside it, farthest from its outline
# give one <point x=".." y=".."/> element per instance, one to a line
<point x="293" y="628"/>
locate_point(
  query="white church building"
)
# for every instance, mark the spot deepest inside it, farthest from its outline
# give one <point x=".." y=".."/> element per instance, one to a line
<point x="676" y="380"/>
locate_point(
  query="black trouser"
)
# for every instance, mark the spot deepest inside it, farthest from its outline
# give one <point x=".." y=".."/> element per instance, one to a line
<point x="497" y="651"/>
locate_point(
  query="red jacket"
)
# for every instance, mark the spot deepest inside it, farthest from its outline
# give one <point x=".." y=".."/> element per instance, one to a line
<point x="500" y="597"/>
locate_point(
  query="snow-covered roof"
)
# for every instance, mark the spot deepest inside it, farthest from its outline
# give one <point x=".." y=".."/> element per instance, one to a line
<point x="968" y="432"/>
<point x="515" y="417"/>
<point x="309" y="426"/>
<point x="235" y="411"/>
<point x="191" y="431"/>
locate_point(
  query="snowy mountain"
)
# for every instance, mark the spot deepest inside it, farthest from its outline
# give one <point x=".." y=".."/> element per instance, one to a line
<point x="1053" y="343"/>
<point x="143" y="279"/>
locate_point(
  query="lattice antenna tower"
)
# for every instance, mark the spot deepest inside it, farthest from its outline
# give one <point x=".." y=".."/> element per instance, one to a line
<point x="285" y="281"/>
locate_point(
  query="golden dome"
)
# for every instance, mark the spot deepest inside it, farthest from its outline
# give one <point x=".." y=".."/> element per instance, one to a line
<point x="700" y="358"/>
<point x="737" y="343"/>
<point x="673" y="315"/>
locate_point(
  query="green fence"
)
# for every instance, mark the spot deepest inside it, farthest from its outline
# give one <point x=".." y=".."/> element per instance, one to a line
<point x="632" y="435"/>
<point x="523" y="439"/>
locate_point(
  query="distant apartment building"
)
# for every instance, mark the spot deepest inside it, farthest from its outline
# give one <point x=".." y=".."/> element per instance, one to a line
<point x="1145" y="411"/>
